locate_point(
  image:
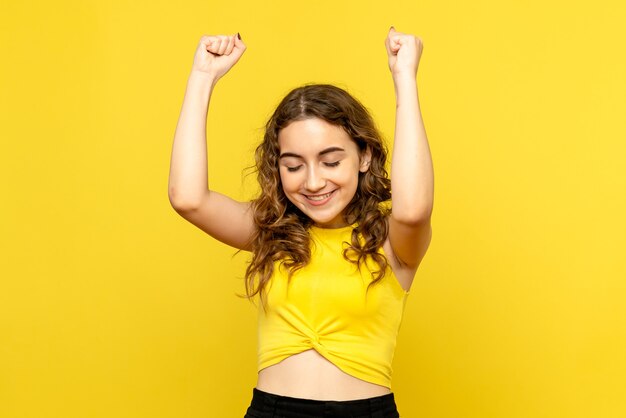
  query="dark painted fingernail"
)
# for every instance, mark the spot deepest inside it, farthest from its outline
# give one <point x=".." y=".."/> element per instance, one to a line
<point x="238" y="36"/>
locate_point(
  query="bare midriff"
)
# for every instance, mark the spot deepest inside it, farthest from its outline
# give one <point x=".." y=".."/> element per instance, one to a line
<point x="309" y="375"/>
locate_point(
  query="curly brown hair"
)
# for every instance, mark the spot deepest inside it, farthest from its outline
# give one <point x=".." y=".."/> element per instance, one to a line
<point x="281" y="228"/>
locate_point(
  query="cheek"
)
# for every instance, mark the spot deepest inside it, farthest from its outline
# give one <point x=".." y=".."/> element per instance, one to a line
<point x="288" y="181"/>
<point x="349" y="176"/>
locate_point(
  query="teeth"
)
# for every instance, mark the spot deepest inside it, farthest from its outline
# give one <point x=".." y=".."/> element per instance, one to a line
<point x="322" y="197"/>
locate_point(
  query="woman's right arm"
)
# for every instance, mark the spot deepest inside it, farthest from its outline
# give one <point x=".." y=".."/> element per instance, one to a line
<point x="225" y="219"/>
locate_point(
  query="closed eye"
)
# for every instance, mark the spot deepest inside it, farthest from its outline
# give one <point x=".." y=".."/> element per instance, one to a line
<point x="333" y="164"/>
<point x="296" y="168"/>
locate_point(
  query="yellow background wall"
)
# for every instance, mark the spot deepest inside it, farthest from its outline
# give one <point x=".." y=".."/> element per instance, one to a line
<point x="111" y="305"/>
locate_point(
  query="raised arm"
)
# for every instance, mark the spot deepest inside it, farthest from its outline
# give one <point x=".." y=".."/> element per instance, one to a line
<point x="218" y="215"/>
<point x="412" y="179"/>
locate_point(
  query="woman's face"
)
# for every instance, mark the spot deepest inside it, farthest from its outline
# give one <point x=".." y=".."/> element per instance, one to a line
<point x="319" y="167"/>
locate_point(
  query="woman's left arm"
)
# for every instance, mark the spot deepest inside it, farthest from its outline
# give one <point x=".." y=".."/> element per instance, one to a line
<point x="412" y="178"/>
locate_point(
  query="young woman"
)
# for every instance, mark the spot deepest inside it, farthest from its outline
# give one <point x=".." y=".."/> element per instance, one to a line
<point x="332" y="261"/>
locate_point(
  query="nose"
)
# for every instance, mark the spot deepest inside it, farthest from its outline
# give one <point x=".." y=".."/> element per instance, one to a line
<point x="315" y="181"/>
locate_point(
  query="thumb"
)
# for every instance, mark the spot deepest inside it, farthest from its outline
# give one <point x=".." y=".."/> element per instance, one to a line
<point x="238" y="48"/>
<point x="390" y="42"/>
<point x="239" y="43"/>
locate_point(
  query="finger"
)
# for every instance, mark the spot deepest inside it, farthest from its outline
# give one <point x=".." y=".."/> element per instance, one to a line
<point x="395" y="45"/>
<point x="214" y="46"/>
<point x="207" y="41"/>
<point x="231" y="44"/>
<point x="395" y="42"/>
<point x="223" y="44"/>
<point x="392" y="44"/>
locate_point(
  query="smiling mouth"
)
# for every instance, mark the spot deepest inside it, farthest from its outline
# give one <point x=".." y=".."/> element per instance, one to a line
<point x="319" y="197"/>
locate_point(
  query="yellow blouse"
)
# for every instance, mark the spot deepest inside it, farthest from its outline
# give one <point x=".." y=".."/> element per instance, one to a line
<point x="325" y="308"/>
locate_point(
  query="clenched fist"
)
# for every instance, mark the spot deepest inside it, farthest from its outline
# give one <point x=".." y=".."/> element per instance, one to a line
<point x="404" y="52"/>
<point x="216" y="54"/>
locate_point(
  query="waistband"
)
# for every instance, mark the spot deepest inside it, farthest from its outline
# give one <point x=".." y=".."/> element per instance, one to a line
<point x="272" y="402"/>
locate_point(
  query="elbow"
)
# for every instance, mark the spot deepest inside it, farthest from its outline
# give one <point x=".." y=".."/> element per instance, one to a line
<point x="181" y="207"/>
<point x="179" y="203"/>
<point x="412" y="208"/>
<point x="412" y="217"/>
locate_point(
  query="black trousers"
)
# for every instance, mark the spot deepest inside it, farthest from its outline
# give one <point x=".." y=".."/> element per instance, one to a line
<point x="269" y="405"/>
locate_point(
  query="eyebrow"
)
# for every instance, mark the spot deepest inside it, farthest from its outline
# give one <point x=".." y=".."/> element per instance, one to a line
<point x="325" y="151"/>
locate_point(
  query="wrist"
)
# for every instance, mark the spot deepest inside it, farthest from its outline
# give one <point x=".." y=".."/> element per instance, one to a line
<point x="404" y="83"/>
<point x="404" y="77"/>
<point x="203" y="78"/>
<point x="405" y="88"/>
